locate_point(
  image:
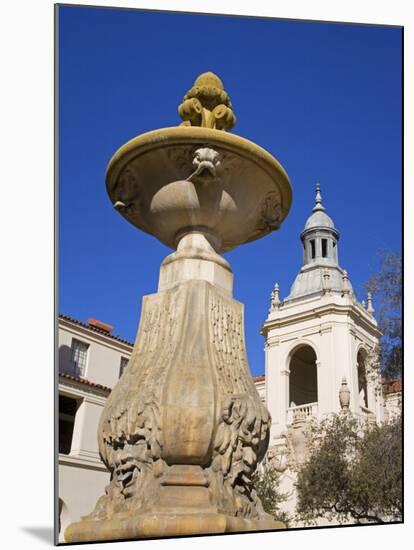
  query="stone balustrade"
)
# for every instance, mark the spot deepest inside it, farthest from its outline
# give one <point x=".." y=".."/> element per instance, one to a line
<point x="307" y="410"/>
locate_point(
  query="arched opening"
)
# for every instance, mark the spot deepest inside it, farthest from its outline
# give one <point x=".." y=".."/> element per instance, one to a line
<point x="324" y="248"/>
<point x="362" y="378"/>
<point x="303" y="379"/>
<point x="313" y="249"/>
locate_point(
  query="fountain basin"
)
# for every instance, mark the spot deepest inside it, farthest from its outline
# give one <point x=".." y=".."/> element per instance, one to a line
<point x="233" y="190"/>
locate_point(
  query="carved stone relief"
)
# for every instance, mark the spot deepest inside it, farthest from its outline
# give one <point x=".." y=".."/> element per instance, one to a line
<point x="271" y="212"/>
<point x="132" y="437"/>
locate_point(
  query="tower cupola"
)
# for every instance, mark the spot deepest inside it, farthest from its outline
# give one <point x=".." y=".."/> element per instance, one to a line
<point x="319" y="236"/>
<point x="320" y="271"/>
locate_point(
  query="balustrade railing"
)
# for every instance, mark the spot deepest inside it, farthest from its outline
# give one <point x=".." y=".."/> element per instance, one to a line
<point x="307" y="410"/>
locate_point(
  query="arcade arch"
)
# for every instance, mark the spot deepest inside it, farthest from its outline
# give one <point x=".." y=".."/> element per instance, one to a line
<point x="303" y="378"/>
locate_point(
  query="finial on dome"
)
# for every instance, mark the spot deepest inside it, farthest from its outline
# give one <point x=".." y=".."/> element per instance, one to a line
<point x="370" y="307"/>
<point x="318" y="199"/>
<point x="346" y="289"/>
<point x="325" y="282"/>
<point x="274" y="299"/>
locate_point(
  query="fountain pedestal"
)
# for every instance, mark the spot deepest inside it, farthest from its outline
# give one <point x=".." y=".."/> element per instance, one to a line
<point x="184" y="428"/>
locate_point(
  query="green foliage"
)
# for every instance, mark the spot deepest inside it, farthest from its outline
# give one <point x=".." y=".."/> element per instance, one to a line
<point x="378" y="471"/>
<point x="353" y="472"/>
<point x="386" y="288"/>
<point x="267" y="486"/>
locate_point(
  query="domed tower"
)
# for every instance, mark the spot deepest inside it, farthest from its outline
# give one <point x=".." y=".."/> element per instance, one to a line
<point x="320" y="340"/>
<point x="320" y="256"/>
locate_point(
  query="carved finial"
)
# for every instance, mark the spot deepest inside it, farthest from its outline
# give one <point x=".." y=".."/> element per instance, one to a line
<point x="318" y="199"/>
<point x="326" y="279"/>
<point x="370" y="308"/>
<point x="345" y="283"/>
<point x="207" y="104"/>
<point x="274" y="300"/>
<point x="344" y="394"/>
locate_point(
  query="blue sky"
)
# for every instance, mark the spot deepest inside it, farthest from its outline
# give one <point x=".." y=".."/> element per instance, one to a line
<point x="324" y="99"/>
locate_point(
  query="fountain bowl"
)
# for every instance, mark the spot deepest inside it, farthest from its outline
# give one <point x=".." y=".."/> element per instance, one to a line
<point x="174" y="181"/>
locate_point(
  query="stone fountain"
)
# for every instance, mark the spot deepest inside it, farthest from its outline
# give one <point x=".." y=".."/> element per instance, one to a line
<point x="184" y="428"/>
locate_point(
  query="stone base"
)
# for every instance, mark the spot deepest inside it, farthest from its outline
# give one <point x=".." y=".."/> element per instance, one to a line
<point x="156" y="525"/>
<point x="184" y="428"/>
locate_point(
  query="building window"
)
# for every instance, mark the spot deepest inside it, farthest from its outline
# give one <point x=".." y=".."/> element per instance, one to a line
<point x="79" y="355"/>
<point x="312" y="243"/>
<point x="324" y="248"/>
<point x="67" y="412"/>
<point x="124" y="363"/>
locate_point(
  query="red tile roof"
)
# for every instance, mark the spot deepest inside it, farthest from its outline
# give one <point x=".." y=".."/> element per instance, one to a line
<point x="259" y="378"/>
<point x="391" y="386"/>
<point x="100" y="325"/>
<point x="86" y="382"/>
<point x="95" y="329"/>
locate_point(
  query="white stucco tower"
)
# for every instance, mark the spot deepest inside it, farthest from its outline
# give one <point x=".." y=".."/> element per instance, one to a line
<point x="318" y="335"/>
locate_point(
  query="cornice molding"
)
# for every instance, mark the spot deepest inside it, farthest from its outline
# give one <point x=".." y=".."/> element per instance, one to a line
<point x="82" y="462"/>
<point x="91" y="394"/>
<point x="318" y="311"/>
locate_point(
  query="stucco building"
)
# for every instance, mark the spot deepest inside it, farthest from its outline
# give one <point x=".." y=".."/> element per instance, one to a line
<point x="91" y="360"/>
<point x="318" y="335"/>
<point x="321" y="348"/>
